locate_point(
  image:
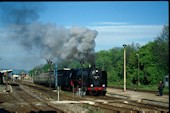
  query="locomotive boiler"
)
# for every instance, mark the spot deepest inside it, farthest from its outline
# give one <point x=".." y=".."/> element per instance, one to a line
<point x="92" y="81"/>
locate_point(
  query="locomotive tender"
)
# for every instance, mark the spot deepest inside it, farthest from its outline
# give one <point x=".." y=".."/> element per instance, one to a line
<point x="90" y="80"/>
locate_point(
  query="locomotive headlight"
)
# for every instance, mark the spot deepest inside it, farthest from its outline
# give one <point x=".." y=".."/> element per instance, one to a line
<point x="91" y="85"/>
<point x="103" y="85"/>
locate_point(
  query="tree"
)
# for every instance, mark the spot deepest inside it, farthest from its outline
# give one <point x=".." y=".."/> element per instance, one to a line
<point x="154" y="58"/>
<point x="161" y="49"/>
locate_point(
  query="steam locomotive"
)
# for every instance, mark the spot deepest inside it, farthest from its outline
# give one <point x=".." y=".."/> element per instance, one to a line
<point x="90" y="80"/>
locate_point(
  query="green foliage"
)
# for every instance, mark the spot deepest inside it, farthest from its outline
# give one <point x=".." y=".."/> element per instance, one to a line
<point x="152" y="59"/>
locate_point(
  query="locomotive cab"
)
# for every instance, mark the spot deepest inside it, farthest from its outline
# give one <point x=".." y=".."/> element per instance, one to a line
<point x="64" y="77"/>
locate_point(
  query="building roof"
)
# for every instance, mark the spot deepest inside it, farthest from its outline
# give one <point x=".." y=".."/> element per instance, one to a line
<point x="6" y="70"/>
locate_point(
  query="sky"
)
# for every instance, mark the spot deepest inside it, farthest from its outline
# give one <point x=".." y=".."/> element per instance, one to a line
<point x="116" y="23"/>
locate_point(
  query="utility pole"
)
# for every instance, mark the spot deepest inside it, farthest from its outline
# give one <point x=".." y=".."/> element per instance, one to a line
<point x="124" y="45"/>
<point x="138" y="71"/>
<point x="82" y="62"/>
<point x="56" y="75"/>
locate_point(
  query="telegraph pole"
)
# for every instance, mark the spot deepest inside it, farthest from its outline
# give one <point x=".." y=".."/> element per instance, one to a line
<point x="124" y="45"/>
<point x="138" y="71"/>
<point x="56" y="75"/>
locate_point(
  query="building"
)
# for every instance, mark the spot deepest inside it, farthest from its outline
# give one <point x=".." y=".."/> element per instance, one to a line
<point x="3" y="74"/>
<point x="16" y="77"/>
<point x="166" y="81"/>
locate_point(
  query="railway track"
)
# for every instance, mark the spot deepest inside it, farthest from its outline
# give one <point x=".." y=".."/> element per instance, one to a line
<point x="103" y="103"/>
<point x="48" y="97"/>
<point x="28" y="102"/>
<point x="23" y="102"/>
<point x="129" y="104"/>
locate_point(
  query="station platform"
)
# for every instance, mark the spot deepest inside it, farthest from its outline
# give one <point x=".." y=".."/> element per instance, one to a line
<point x="138" y="96"/>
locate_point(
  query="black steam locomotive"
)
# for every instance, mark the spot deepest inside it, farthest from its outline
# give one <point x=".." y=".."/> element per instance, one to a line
<point x="90" y="80"/>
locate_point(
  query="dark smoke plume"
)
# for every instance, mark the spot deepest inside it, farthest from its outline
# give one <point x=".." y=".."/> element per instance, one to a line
<point x="50" y="40"/>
